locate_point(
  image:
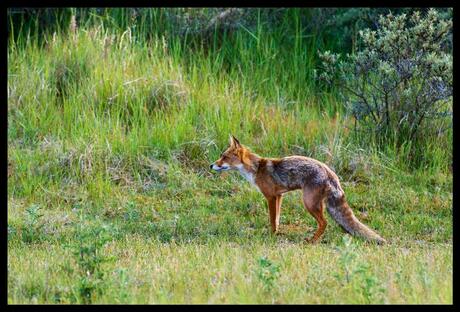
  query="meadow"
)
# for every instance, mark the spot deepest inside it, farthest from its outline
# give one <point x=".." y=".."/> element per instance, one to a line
<point x="110" y="196"/>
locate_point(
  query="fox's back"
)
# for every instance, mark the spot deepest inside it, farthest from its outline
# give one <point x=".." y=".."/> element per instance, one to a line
<point x="295" y="172"/>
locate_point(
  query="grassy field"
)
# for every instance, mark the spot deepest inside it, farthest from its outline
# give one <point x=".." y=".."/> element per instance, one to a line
<point x="110" y="197"/>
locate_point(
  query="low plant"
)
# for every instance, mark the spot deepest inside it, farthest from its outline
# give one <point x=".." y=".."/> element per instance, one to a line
<point x="267" y="272"/>
<point x="33" y="224"/>
<point x="87" y="249"/>
<point x="357" y="275"/>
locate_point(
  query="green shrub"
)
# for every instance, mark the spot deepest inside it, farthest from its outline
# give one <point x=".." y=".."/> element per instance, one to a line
<point x="342" y="25"/>
<point x="399" y="86"/>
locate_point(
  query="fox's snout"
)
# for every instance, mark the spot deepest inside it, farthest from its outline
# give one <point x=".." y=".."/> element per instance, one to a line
<point x="222" y="167"/>
<point x="213" y="166"/>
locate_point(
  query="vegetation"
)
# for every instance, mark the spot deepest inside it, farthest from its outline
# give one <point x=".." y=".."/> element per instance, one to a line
<point x="114" y="116"/>
<point x="399" y="86"/>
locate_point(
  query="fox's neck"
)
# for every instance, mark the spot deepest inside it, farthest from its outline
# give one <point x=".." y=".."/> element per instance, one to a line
<point x="248" y="169"/>
<point x="251" y="161"/>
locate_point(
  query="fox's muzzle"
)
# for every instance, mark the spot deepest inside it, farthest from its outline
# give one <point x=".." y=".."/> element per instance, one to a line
<point x="219" y="168"/>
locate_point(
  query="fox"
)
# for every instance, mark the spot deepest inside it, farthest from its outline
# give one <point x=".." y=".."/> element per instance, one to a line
<point x="274" y="177"/>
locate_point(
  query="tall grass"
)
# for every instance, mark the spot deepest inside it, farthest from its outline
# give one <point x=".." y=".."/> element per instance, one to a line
<point x="268" y="65"/>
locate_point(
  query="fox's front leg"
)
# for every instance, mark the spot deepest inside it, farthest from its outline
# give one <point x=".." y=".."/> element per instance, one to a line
<point x="274" y="205"/>
<point x="278" y="211"/>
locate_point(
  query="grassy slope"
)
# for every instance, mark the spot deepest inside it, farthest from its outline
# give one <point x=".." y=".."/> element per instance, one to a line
<point x="126" y="145"/>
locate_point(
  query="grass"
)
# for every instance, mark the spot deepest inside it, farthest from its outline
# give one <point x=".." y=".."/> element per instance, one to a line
<point x="148" y="271"/>
<point x="110" y="199"/>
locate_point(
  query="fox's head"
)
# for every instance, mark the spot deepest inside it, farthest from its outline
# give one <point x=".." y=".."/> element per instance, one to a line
<point x="231" y="158"/>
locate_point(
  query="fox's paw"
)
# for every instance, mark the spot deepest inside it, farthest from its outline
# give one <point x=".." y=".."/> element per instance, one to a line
<point x="311" y="240"/>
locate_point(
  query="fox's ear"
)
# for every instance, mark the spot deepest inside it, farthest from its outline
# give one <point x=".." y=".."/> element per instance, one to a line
<point x="234" y="142"/>
<point x="230" y="141"/>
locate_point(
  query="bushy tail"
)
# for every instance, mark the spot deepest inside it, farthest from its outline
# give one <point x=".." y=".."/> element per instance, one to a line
<point x="340" y="211"/>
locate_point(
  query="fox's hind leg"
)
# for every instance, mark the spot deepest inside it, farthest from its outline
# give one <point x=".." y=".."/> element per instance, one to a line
<point x="313" y="200"/>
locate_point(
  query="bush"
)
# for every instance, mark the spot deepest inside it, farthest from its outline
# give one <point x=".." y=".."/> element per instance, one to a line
<point x="399" y="86"/>
<point x="342" y="25"/>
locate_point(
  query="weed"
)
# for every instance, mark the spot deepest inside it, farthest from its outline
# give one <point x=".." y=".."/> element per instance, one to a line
<point x="123" y="279"/>
<point x="31" y="232"/>
<point x="90" y="259"/>
<point x="358" y="275"/>
<point x="11" y="231"/>
<point x="131" y="214"/>
<point x="267" y="272"/>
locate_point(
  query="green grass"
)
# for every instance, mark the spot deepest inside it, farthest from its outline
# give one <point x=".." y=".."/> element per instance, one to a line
<point x="109" y="145"/>
<point x="148" y="271"/>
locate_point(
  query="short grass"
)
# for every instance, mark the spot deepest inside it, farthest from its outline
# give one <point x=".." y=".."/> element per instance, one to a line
<point x="110" y="199"/>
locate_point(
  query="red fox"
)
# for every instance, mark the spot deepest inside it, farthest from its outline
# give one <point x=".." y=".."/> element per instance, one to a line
<point x="275" y="176"/>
